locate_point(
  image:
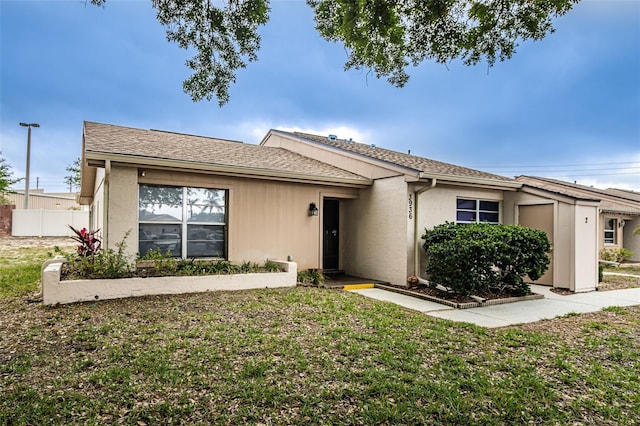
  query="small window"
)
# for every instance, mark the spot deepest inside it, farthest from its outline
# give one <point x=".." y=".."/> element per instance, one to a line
<point x="610" y="226"/>
<point x="477" y="211"/>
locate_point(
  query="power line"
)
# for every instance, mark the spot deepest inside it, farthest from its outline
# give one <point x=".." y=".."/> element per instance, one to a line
<point x="521" y="171"/>
<point x="554" y="165"/>
<point x="599" y="174"/>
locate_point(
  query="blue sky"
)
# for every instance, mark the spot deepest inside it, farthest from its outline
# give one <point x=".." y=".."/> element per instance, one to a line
<point x="566" y="107"/>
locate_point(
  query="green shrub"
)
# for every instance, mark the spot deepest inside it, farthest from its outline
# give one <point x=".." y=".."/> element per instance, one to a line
<point x="616" y="255"/>
<point x="98" y="263"/>
<point x="474" y="258"/>
<point x="310" y="277"/>
<point x="92" y="262"/>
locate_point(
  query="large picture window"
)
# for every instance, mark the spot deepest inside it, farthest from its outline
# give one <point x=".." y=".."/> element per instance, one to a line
<point x="186" y="222"/>
<point x="610" y="226"/>
<point x="477" y="211"/>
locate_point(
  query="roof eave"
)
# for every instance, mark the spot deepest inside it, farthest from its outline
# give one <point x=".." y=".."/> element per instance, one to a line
<point x="601" y="194"/>
<point x="87" y="177"/>
<point x="362" y="157"/>
<point x="559" y="196"/>
<point x="619" y="212"/>
<point x="238" y="171"/>
<point x="472" y="180"/>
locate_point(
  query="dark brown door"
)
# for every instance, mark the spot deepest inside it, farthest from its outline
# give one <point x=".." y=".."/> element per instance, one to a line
<point x="330" y="229"/>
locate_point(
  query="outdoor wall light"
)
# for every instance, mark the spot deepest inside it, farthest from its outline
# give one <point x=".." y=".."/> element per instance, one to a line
<point x="621" y="224"/>
<point x="313" y="209"/>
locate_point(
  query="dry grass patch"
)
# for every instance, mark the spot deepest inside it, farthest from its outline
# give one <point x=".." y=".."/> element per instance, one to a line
<point x="307" y="355"/>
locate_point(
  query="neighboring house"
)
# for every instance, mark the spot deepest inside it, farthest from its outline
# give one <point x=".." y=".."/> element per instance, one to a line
<point x="48" y="214"/>
<point x="618" y="210"/>
<point x="38" y="199"/>
<point x="327" y="203"/>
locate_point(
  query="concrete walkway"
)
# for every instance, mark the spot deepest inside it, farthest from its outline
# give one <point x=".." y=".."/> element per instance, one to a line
<point x="551" y="306"/>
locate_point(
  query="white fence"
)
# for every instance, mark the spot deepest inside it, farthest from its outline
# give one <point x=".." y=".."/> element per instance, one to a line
<point x="47" y="223"/>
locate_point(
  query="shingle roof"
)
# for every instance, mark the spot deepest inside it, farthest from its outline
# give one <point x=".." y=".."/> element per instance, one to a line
<point x="408" y="161"/>
<point x="624" y="193"/>
<point x="609" y="202"/>
<point x="157" y="144"/>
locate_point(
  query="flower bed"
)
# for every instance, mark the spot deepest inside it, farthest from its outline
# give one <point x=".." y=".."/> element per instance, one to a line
<point x="458" y="301"/>
<point x="94" y="274"/>
<point x="55" y="291"/>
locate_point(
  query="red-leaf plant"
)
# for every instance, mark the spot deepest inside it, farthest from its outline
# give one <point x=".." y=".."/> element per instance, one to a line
<point x="89" y="245"/>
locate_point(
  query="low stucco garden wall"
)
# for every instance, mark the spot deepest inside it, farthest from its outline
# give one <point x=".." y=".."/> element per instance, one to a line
<point x="55" y="291"/>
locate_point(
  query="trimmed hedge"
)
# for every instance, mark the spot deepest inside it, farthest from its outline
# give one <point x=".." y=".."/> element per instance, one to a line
<point x="474" y="258"/>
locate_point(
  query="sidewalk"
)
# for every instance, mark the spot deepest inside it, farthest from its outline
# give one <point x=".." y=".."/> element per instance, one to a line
<point x="551" y="306"/>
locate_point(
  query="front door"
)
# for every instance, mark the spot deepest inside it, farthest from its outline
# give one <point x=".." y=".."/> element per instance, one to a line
<point x="330" y="230"/>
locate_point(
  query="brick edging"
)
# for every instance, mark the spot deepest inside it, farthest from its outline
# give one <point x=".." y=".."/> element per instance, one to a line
<point x="467" y="305"/>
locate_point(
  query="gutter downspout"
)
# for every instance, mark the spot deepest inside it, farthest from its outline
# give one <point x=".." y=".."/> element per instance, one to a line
<point x="105" y="216"/>
<point x="416" y="245"/>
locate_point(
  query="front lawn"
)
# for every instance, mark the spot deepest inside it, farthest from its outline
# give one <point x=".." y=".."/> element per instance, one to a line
<point x="20" y="266"/>
<point x="616" y="282"/>
<point x="632" y="269"/>
<point x="301" y="356"/>
<point x="308" y="356"/>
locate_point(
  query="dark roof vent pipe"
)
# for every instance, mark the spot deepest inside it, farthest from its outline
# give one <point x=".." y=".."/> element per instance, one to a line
<point x="332" y="137"/>
<point x="373" y="145"/>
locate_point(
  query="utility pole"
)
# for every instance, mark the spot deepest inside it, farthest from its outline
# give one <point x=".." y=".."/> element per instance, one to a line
<point x="26" y="182"/>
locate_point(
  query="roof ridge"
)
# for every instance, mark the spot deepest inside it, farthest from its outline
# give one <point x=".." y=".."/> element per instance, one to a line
<point x="161" y="131"/>
<point x="404" y="160"/>
<point x="594" y="192"/>
<point x="113" y="140"/>
<point x="195" y="136"/>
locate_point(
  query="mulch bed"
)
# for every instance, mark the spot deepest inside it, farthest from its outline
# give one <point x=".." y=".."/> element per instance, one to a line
<point x="457" y="298"/>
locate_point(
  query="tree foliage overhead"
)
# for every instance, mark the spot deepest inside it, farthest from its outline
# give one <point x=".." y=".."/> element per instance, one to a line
<point x="385" y="36"/>
<point x="389" y="35"/>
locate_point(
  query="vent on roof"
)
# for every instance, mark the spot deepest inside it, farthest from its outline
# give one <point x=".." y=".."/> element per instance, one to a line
<point x="332" y="137"/>
<point x="373" y="145"/>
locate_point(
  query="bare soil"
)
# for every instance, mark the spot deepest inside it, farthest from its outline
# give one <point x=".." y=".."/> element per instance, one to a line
<point x="13" y="243"/>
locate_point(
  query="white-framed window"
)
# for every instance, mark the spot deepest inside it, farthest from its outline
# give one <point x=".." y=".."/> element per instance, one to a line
<point x="477" y="211"/>
<point x="186" y="222"/>
<point x="610" y="226"/>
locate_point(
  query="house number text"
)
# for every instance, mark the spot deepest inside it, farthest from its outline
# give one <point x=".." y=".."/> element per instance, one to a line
<point x="410" y="206"/>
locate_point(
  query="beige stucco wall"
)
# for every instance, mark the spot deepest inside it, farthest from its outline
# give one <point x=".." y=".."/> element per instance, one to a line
<point x="97" y="207"/>
<point x="575" y="243"/>
<point x="375" y="244"/>
<point x="266" y="219"/>
<point x="621" y="232"/>
<point x="122" y="211"/>
<point x="438" y="205"/>
<point x="632" y="242"/>
<point x="586" y="249"/>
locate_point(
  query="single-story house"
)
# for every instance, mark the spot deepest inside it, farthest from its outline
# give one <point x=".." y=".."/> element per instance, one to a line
<point x="38" y="199"/>
<point x="618" y="210"/>
<point x="326" y="203"/>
